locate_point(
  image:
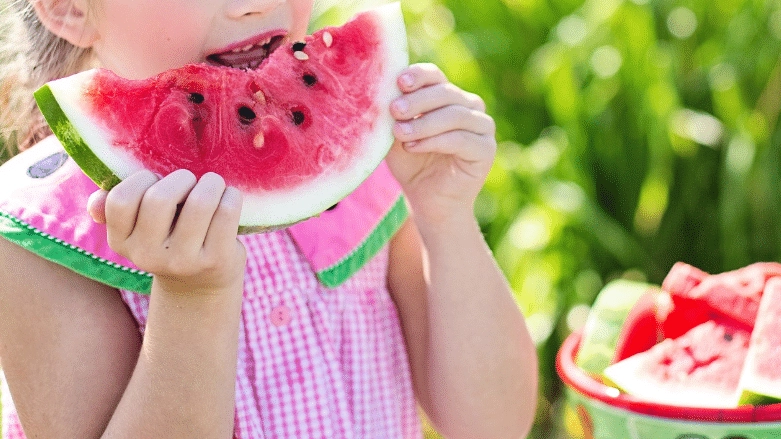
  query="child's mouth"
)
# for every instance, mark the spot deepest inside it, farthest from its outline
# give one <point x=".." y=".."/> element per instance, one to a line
<point x="249" y="57"/>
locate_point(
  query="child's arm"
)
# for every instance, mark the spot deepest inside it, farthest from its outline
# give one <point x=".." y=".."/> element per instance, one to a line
<point x="473" y="362"/>
<point x="71" y="350"/>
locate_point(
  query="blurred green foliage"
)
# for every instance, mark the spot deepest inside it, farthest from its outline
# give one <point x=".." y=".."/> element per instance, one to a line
<point x="633" y="134"/>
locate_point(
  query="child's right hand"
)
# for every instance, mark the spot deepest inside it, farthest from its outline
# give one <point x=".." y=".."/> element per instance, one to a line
<point x="190" y="251"/>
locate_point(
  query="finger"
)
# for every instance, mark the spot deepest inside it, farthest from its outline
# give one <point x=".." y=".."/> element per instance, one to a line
<point x="197" y="212"/>
<point x="450" y="118"/>
<point x="418" y="76"/>
<point x="122" y="204"/>
<point x="96" y="206"/>
<point x="433" y="97"/>
<point x="159" y="207"/>
<point x="466" y="145"/>
<point x="225" y="223"/>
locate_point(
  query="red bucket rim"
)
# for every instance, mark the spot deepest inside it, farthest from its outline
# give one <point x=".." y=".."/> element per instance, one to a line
<point x="583" y="383"/>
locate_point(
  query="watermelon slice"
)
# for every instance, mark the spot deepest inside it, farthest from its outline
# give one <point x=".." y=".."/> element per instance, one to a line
<point x="731" y="296"/>
<point x="606" y="332"/>
<point x="699" y="369"/>
<point x="641" y="329"/>
<point x="760" y="382"/>
<point x="295" y="135"/>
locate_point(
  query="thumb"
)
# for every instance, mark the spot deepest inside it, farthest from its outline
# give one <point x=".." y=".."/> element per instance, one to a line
<point x="96" y="206"/>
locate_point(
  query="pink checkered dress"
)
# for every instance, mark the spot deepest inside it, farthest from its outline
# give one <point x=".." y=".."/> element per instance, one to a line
<point x="314" y="361"/>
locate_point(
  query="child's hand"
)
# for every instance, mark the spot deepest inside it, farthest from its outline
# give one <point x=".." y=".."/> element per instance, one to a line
<point x="191" y="250"/>
<point x="445" y="144"/>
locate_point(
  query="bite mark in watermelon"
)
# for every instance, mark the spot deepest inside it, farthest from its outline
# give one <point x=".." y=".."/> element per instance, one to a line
<point x="699" y="369"/>
<point x="296" y="135"/>
<point x="760" y="382"/>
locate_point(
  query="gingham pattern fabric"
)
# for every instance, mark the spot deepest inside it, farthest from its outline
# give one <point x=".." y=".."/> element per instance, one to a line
<point x="313" y="362"/>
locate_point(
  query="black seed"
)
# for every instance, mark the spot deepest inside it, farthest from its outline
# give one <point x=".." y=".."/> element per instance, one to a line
<point x="246" y="114"/>
<point x="728" y="337"/>
<point x="333" y="207"/>
<point x="299" y="46"/>
<point x="196" y="98"/>
<point x="310" y="79"/>
<point x="298" y="117"/>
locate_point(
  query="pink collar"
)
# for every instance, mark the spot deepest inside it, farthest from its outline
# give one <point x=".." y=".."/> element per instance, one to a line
<point x="43" y="195"/>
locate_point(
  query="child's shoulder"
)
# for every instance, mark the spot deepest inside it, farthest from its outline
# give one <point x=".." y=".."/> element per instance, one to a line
<point x="43" y="199"/>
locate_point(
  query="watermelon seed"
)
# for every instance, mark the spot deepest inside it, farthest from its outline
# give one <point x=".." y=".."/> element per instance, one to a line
<point x="246" y="114"/>
<point x="301" y="56"/>
<point x="299" y="46"/>
<point x="196" y="98"/>
<point x="728" y="337"/>
<point x="260" y="97"/>
<point x="310" y="79"/>
<point x="259" y="140"/>
<point x="328" y="39"/>
<point x="298" y="117"/>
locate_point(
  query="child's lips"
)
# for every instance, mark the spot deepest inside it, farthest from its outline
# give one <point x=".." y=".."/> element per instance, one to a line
<point x="248" y="54"/>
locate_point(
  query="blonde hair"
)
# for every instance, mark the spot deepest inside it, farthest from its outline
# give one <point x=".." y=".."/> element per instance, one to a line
<point x="30" y="56"/>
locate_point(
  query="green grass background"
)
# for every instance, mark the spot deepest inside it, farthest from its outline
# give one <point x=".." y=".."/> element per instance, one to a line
<point x="632" y="134"/>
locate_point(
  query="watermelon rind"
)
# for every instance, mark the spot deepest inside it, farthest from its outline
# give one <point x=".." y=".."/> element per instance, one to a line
<point x="605" y="321"/>
<point x="90" y="147"/>
<point x="763" y="350"/>
<point x="72" y="141"/>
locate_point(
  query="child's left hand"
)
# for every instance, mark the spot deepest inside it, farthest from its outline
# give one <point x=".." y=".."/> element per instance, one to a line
<point x="445" y="144"/>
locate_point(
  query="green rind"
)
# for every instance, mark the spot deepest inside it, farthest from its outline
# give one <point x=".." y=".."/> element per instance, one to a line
<point x="605" y="321"/>
<point x="747" y="397"/>
<point x="74" y="145"/>
<point x="72" y="257"/>
<point x="338" y="273"/>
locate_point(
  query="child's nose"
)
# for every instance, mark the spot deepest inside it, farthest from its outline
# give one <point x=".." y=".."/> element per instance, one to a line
<point x="241" y="8"/>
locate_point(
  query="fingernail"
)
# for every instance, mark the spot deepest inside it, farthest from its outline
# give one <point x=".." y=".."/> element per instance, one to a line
<point x="405" y="128"/>
<point x="401" y="106"/>
<point x="407" y="80"/>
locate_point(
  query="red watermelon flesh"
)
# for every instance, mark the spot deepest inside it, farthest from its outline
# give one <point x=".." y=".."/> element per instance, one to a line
<point x="682" y="277"/>
<point x="641" y="329"/>
<point x="736" y="294"/>
<point x="731" y="296"/>
<point x="699" y="369"/>
<point x="295" y="135"/>
<point x="761" y="378"/>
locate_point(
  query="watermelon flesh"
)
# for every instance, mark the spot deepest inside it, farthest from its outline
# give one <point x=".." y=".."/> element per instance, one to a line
<point x="295" y="135"/>
<point x="760" y="382"/>
<point x="699" y="369"/>
<point x="732" y="296"/>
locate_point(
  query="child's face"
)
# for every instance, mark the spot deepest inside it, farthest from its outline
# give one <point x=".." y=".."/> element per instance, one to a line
<point x="141" y="38"/>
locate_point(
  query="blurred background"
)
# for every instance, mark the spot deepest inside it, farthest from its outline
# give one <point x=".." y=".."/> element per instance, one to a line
<point x="632" y="134"/>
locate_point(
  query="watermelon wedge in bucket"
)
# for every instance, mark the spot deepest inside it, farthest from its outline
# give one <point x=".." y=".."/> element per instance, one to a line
<point x="760" y="381"/>
<point x="296" y="130"/>
<point x="714" y="375"/>
<point x="602" y="412"/>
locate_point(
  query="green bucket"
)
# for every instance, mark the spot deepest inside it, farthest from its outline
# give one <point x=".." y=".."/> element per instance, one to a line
<point x="596" y="411"/>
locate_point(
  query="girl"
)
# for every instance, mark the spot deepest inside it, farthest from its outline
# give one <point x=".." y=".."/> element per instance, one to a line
<point x="237" y="337"/>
